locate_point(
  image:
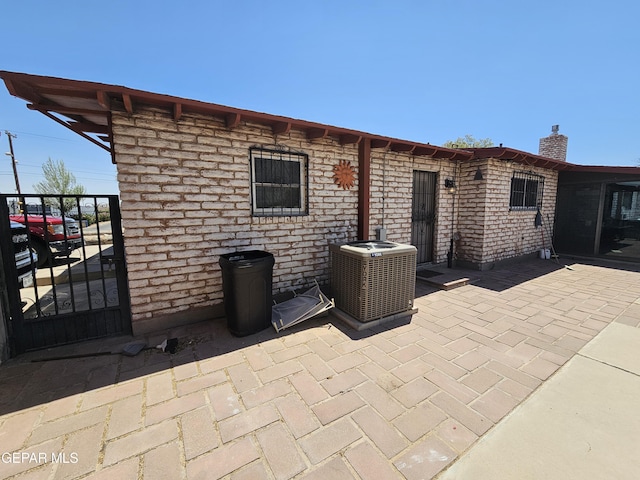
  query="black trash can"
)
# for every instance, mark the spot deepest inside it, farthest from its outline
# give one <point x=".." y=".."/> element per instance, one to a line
<point x="247" y="279"/>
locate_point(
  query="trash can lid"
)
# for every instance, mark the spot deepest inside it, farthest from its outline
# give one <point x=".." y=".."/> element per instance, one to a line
<point x="244" y="257"/>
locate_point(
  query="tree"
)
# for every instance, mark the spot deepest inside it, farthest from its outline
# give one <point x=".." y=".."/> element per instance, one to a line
<point x="58" y="181"/>
<point x="468" y="141"/>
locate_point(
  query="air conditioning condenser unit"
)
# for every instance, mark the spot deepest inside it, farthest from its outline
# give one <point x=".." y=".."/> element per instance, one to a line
<point x="373" y="280"/>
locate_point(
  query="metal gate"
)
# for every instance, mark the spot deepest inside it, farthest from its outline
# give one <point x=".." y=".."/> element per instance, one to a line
<point x="423" y="214"/>
<point x="63" y="271"/>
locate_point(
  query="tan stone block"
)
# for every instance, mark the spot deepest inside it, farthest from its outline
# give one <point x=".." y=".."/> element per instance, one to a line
<point x="126" y="416"/>
<point x="494" y="404"/>
<point x="425" y="459"/>
<point x="223" y="460"/>
<point x="174" y="407"/>
<point x="247" y="422"/>
<point x="369" y="464"/>
<point x="139" y="442"/>
<point x="280" y="452"/>
<point x="337" y="407"/>
<point x="199" y="432"/>
<point x="62" y="426"/>
<point x="327" y="441"/>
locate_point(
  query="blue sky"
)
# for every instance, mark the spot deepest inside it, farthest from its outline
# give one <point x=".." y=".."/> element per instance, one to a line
<point x="428" y="70"/>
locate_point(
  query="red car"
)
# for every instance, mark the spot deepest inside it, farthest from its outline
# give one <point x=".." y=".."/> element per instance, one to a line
<point x="51" y="236"/>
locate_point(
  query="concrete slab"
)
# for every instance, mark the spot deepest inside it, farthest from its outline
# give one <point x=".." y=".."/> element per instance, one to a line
<point x="614" y="346"/>
<point x="581" y="424"/>
<point x="359" y="326"/>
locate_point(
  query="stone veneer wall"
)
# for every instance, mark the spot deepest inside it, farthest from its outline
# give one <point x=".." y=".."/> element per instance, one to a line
<point x="185" y="193"/>
<point x="489" y="231"/>
<point x="391" y="197"/>
<point x="471" y="215"/>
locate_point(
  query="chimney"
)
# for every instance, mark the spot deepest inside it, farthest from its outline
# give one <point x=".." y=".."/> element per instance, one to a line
<point x="554" y="146"/>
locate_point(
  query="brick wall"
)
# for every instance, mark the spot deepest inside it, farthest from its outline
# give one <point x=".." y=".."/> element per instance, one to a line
<point x="391" y="197"/>
<point x="185" y="192"/>
<point x="471" y="215"/>
<point x="489" y="231"/>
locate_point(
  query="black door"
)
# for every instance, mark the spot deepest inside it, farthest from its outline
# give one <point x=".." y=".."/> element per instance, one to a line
<point x="423" y="214"/>
<point x="77" y="287"/>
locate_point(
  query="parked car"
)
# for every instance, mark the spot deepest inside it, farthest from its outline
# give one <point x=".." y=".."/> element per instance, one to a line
<point x="26" y="259"/>
<point x="51" y="236"/>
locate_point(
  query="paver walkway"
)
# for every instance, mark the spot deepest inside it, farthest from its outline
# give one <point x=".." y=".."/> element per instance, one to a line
<point x="320" y="401"/>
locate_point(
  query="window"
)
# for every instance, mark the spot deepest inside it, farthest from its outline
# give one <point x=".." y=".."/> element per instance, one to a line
<point x="526" y="191"/>
<point x="278" y="182"/>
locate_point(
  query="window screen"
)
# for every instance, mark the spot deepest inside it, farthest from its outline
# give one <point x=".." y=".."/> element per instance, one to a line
<point x="526" y="191"/>
<point x="278" y="182"/>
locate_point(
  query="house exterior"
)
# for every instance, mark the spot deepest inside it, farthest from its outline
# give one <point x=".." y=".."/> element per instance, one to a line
<point x="494" y="224"/>
<point x="188" y="196"/>
<point x="199" y="180"/>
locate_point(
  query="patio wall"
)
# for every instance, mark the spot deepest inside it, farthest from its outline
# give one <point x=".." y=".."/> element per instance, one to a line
<point x="391" y="197"/>
<point x="489" y="231"/>
<point x="185" y="192"/>
<point x="471" y="213"/>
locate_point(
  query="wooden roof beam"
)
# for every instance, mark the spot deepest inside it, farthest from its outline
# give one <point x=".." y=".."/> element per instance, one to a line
<point x="232" y="120"/>
<point x="82" y="134"/>
<point x="450" y="154"/>
<point x="544" y="165"/>
<point x="128" y="103"/>
<point x="314" y="133"/>
<point x="402" y="147"/>
<point x="63" y="92"/>
<point x="379" y="143"/>
<point x="424" y="151"/>
<point x="64" y="110"/>
<point x="279" y="128"/>
<point x="177" y="111"/>
<point x="88" y="127"/>
<point x="21" y="89"/>
<point x="349" y="138"/>
<point x="103" y="100"/>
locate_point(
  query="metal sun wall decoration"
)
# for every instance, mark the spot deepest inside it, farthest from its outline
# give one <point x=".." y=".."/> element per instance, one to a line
<point x="344" y="175"/>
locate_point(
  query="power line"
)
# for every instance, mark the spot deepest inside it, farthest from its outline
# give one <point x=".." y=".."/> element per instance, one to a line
<point x="11" y="136"/>
<point x="90" y="172"/>
<point x="49" y="137"/>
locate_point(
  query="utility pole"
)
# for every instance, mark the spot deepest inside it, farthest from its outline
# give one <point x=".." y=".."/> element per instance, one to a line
<point x="13" y="159"/>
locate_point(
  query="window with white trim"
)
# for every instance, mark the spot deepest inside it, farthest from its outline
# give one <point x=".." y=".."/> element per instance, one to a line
<point x="278" y="182"/>
<point x="526" y="191"/>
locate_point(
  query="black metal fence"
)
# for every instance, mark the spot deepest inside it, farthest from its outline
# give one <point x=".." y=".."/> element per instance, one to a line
<point x="78" y="286"/>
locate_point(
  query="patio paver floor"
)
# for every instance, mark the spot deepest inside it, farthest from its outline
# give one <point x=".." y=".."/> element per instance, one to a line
<point x="320" y="400"/>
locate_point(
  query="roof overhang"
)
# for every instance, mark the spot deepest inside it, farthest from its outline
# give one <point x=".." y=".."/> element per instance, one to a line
<point x="526" y="158"/>
<point x="606" y="169"/>
<point x="85" y="108"/>
<point x="518" y="156"/>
